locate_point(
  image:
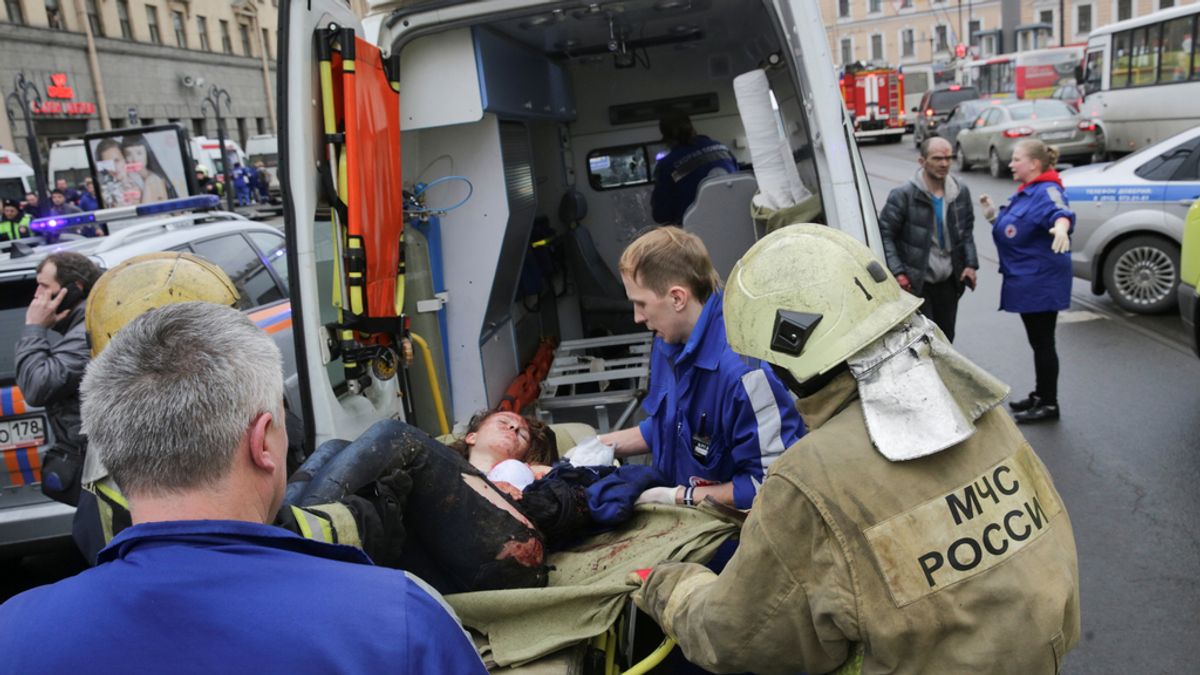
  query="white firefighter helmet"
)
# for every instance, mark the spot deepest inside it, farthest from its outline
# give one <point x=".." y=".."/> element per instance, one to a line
<point x="808" y="297"/>
<point x="147" y="281"/>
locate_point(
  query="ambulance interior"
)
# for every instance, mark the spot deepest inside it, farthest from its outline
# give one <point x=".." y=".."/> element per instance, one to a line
<point x="550" y="117"/>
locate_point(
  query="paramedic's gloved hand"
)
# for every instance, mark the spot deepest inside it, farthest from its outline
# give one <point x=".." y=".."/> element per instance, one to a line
<point x="1061" y="234"/>
<point x="660" y="495"/>
<point x="989" y="207"/>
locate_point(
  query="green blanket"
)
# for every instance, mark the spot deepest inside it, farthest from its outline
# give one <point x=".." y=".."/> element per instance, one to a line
<point x="588" y="584"/>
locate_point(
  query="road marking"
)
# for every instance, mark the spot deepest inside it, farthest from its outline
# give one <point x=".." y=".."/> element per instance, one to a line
<point x="1078" y="316"/>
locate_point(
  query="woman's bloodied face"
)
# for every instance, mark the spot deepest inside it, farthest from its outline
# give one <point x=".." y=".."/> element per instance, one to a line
<point x="502" y="433"/>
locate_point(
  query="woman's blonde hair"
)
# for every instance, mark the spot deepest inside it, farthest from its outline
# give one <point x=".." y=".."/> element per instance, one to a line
<point x="1035" y="148"/>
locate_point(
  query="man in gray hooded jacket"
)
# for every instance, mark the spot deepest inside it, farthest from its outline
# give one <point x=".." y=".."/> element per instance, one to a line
<point x="928" y="235"/>
<point x="49" y="370"/>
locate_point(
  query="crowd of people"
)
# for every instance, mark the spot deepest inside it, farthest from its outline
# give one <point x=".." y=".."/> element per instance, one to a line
<point x="251" y="183"/>
<point x="818" y="391"/>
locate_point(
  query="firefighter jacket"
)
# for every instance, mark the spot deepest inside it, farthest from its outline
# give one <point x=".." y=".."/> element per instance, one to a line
<point x="216" y="596"/>
<point x="714" y="416"/>
<point x="960" y="561"/>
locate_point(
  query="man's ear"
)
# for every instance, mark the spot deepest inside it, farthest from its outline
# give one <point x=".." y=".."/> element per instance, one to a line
<point x="260" y="454"/>
<point x="679" y="297"/>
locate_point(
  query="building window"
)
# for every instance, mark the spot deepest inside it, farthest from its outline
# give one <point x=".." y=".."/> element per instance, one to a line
<point x="877" y="47"/>
<point x="973" y="28"/>
<point x="202" y="30"/>
<point x="843" y="9"/>
<point x="226" y="41"/>
<point x="941" y="38"/>
<point x="180" y="29"/>
<point x="260" y="124"/>
<point x="54" y="15"/>
<point x="874" y="6"/>
<point x="197" y="126"/>
<point x="93" y="16"/>
<point x="15" y="13"/>
<point x="847" y="51"/>
<point x="1124" y="9"/>
<point x="1046" y="16"/>
<point x="266" y="38"/>
<point x="152" y="24"/>
<point x="907" y="48"/>
<point x="906" y="4"/>
<point x="244" y="33"/>
<point x="1164" y="4"/>
<point x="123" y="19"/>
<point x="1083" y="19"/>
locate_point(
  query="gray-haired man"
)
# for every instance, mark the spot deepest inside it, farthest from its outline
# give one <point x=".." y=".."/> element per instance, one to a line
<point x="927" y="227"/>
<point x="185" y="406"/>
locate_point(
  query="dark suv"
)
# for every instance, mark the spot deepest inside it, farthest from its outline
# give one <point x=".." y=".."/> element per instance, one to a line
<point x="935" y="107"/>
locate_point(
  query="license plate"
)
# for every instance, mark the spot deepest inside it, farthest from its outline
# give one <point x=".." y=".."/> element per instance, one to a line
<point x="23" y="432"/>
<point x="1057" y="135"/>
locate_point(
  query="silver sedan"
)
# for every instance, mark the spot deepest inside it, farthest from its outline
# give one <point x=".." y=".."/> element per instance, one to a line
<point x="998" y="129"/>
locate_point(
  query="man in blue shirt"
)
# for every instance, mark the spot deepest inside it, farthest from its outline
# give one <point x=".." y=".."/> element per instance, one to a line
<point x="677" y="176"/>
<point x="716" y="420"/>
<point x="186" y="404"/>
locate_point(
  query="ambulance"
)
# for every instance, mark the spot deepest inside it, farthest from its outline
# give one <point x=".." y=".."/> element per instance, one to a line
<point x="460" y="178"/>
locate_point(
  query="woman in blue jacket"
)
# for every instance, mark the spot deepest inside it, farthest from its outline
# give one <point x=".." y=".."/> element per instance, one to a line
<point x="1032" y="235"/>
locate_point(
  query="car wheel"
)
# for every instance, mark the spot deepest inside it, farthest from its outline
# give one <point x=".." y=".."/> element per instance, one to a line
<point x="994" y="166"/>
<point x="917" y="140"/>
<point x="1142" y="274"/>
<point x="1101" y="152"/>
<point x="963" y="164"/>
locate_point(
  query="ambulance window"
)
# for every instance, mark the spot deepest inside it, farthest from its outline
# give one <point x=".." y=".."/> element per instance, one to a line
<point x="234" y="255"/>
<point x="618" y="167"/>
<point x="273" y="250"/>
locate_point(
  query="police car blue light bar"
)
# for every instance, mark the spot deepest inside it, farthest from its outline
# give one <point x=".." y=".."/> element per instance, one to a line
<point x="59" y="223"/>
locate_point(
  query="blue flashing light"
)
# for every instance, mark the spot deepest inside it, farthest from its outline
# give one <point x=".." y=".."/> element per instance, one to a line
<point x="56" y="223"/>
<point x="181" y="204"/>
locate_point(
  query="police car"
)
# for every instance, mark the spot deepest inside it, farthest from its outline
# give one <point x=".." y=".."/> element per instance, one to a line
<point x="1130" y="216"/>
<point x="251" y="253"/>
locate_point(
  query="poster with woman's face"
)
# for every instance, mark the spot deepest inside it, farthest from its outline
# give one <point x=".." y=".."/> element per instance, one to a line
<point x="138" y="166"/>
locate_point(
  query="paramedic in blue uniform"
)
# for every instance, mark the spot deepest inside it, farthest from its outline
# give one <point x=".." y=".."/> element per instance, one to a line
<point x="678" y="175"/>
<point x="1033" y="240"/>
<point x="717" y="420"/>
<point x="185" y="403"/>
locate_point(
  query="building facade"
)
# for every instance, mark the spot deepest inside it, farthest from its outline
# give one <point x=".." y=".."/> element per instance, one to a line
<point x="144" y="62"/>
<point x="926" y="32"/>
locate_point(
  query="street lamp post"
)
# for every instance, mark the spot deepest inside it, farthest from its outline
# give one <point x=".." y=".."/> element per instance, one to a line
<point x="213" y="100"/>
<point x="24" y="94"/>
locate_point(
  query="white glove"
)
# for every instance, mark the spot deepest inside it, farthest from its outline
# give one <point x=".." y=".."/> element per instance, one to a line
<point x="591" y="452"/>
<point x="1062" y="240"/>
<point x="659" y="495"/>
<point x="989" y="208"/>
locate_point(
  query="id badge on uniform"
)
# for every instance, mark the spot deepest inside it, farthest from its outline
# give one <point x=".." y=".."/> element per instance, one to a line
<point x="700" y="447"/>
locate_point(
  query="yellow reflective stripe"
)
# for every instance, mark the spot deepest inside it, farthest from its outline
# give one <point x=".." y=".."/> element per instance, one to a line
<point x="313" y="526"/>
<point x="302" y="522"/>
<point x="854" y="663"/>
<point x="344" y="529"/>
<point x="108" y="494"/>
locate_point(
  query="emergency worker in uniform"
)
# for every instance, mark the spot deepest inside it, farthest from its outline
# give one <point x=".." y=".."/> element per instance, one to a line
<point x="716" y="420"/>
<point x="678" y="175"/>
<point x="912" y="530"/>
<point x="186" y="405"/>
<point x="13" y="223"/>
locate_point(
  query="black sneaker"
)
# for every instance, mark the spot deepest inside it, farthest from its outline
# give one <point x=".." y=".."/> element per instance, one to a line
<point x="1038" y="413"/>
<point x="1026" y="403"/>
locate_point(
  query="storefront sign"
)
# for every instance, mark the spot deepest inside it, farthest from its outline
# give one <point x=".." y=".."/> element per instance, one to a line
<point x="58" y="89"/>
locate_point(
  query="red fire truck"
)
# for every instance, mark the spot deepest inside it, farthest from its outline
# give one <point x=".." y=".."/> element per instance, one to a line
<point x="874" y="96"/>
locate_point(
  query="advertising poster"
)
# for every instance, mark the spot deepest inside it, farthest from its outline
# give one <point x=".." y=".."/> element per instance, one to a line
<point x="142" y="165"/>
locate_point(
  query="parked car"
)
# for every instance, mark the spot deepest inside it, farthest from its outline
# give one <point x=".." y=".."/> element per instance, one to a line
<point x="963" y="116"/>
<point x="250" y="252"/>
<point x="1130" y="221"/>
<point x="1189" y="275"/>
<point x="935" y="107"/>
<point x="997" y="131"/>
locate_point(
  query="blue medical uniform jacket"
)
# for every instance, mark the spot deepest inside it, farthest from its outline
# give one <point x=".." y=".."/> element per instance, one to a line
<point x="231" y="597"/>
<point x="677" y="176"/>
<point x="1036" y="279"/>
<point x="715" y="416"/>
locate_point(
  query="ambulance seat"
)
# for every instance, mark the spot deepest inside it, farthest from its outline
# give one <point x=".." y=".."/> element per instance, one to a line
<point x="602" y="300"/>
<point x="720" y="216"/>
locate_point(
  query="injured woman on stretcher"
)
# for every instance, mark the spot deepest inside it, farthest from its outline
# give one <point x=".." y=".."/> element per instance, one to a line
<point x="479" y="514"/>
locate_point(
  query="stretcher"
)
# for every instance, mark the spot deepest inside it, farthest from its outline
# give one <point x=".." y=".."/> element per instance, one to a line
<point x="585" y="379"/>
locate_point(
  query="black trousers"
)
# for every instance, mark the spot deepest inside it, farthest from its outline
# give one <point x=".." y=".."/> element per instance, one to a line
<point x="1039" y="327"/>
<point x="941" y="304"/>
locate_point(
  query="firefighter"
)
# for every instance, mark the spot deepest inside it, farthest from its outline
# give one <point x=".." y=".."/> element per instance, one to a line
<point x="912" y="530"/>
<point x="152" y="280"/>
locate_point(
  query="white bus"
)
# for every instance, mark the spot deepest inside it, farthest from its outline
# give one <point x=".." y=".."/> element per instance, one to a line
<point x="1142" y="78"/>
